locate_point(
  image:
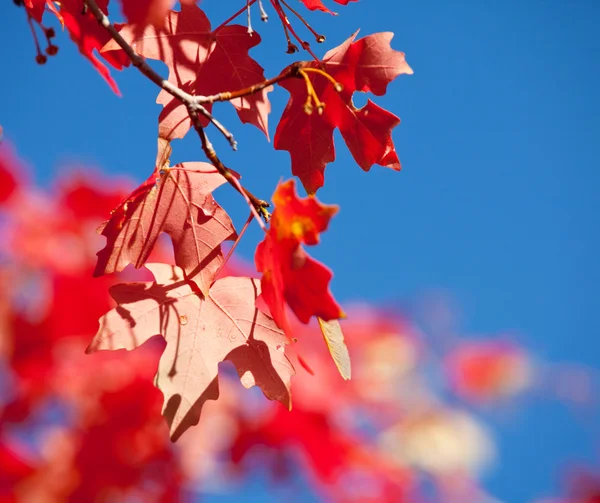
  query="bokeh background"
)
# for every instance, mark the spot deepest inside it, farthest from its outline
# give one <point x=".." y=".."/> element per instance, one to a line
<point x="490" y="229"/>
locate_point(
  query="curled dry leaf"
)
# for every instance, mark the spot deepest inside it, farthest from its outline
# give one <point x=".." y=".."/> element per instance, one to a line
<point x="334" y="338"/>
<point x="200" y="332"/>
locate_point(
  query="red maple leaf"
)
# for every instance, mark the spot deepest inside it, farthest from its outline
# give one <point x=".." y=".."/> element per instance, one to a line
<point x="87" y="33"/>
<point x="36" y="8"/>
<point x="176" y="200"/>
<point x="365" y="65"/>
<point x="318" y="5"/>
<point x="289" y="273"/>
<point x="200" y="333"/>
<point x="10" y="168"/>
<point x="145" y="12"/>
<point x="201" y="62"/>
<point x="330" y="453"/>
<point x="15" y="469"/>
<point x="488" y="370"/>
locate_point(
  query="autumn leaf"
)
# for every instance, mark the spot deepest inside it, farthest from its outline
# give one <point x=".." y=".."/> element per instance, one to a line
<point x="318" y="5"/>
<point x="36" y="8"/>
<point x="202" y="62"/>
<point x="144" y="12"/>
<point x="177" y="201"/>
<point x="10" y="168"/>
<point x="199" y="333"/>
<point x="334" y="339"/>
<point x="290" y="275"/>
<point x="483" y="371"/>
<point x="365" y="65"/>
<point x="87" y="33"/>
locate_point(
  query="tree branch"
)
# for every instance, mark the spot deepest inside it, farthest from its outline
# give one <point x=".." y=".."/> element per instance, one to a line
<point x="195" y="108"/>
<point x="290" y="71"/>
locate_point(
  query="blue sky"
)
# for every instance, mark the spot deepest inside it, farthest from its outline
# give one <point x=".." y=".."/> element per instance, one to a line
<point x="497" y="202"/>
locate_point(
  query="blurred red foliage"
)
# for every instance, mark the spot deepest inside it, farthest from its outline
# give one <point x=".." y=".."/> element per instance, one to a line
<point x="88" y="428"/>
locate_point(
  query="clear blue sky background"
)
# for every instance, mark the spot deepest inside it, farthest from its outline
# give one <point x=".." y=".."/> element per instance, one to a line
<point x="497" y="202"/>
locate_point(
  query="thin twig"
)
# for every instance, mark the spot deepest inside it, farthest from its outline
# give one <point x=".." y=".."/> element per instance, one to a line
<point x="140" y="63"/>
<point x="227" y="21"/>
<point x="288" y="26"/>
<point x="319" y="38"/>
<point x="290" y="71"/>
<point x="258" y="206"/>
<point x="239" y="238"/>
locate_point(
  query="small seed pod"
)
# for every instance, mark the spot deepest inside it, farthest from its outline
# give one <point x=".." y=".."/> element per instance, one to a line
<point x="40" y="59"/>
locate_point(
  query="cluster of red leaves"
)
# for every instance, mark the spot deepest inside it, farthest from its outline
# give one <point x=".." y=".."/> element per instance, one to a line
<point x="205" y="314"/>
<point x="204" y="62"/>
<point x="111" y="444"/>
<point x="365" y="440"/>
<point x="49" y="245"/>
<point x="205" y="320"/>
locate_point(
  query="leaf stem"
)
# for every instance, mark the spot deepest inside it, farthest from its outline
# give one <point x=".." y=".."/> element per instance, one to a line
<point x="227" y="21"/>
<point x="288" y="26"/>
<point x="232" y="249"/>
<point x="318" y="37"/>
<point x="258" y="206"/>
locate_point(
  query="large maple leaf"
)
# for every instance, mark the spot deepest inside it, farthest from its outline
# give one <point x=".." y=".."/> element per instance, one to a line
<point x="177" y="201"/>
<point x="200" y="333"/>
<point x="201" y="62"/>
<point x="87" y="33"/>
<point x="290" y="275"/>
<point x="365" y="65"/>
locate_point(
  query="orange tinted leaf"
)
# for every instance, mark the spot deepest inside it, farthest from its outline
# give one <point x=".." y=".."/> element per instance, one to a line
<point x="290" y="275"/>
